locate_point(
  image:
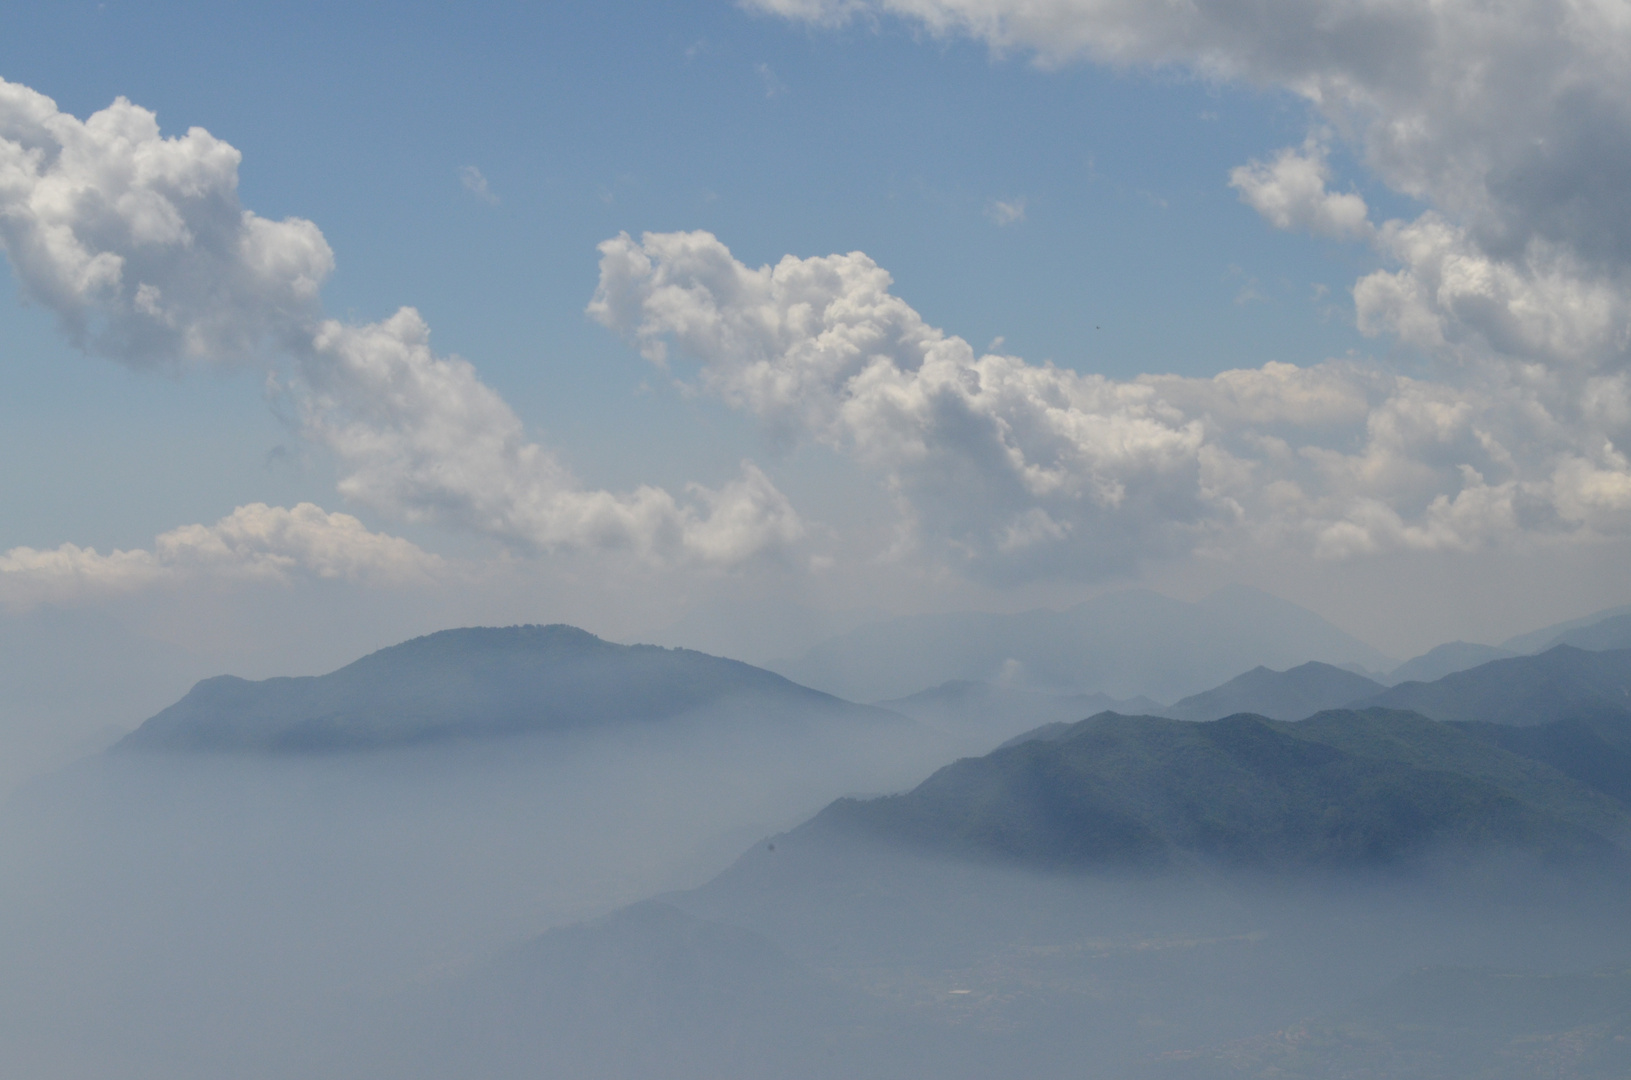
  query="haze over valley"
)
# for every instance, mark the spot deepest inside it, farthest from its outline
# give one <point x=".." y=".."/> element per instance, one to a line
<point x="815" y="540"/>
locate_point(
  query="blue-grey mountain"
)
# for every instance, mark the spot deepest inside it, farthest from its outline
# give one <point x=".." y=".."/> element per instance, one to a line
<point x="483" y="683"/>
<point x="1554" y="685"/>
<point x="1611" y="633"/>
<point x="1545" y="637"/>
<point x="1279" y="695"/>
<point x="1341" y="788"/>
<point x="1124" y="644"/>
<point x="1445" y="659"/>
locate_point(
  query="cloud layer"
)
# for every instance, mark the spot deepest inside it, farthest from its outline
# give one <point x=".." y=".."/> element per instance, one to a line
<point x="1512" y="122"/>
<point x="138" y="244"/>
<point x="255" y="542"/>
<point x="1014" y="469"/>
<point x="1511" y="126"/>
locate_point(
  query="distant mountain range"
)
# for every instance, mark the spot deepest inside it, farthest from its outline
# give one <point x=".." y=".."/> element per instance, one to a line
<point x="1607" y="629"/>
<point x="482" y="683"/>
<point x="1612" y="633"/>
<point x="1139" y="644"/>
<point x="1557" y="634"/>
<point x="1341" y="788"/>
<point x="1278" y="695"/>
<point x="1446" y="659"/>
<point x="1553" y="685"/>
<point x="1560" y="683"/>
<point x="981" y="924"/>
<point x="1123" y="644"/>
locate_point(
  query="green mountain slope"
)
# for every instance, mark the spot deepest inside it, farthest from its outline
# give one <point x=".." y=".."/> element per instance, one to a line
<point x="1593" y="747"/>
<point x="1346" y="788"/>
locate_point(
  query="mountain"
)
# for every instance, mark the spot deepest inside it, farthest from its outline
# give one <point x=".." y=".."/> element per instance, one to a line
<point x="1343" y="788"/>
<point x="481" y="683"/>
<point x="1539" y="640"/>
<point x="980" y="925"/>
<point x="1522" y="689"/>
<point x="1125" y="644"/>
<point x="1444" y="660"/>
<point x="1279" y="695"/>
<point x="1611" y="633"/>
<point x="1593" y="747"/>
<point x="980" y="712"/>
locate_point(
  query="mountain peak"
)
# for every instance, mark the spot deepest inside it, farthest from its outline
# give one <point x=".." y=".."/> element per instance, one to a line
<point x="476" y="682"/>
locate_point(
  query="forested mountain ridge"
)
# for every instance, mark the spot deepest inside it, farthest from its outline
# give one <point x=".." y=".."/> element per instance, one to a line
<point x="1342" y="788"/>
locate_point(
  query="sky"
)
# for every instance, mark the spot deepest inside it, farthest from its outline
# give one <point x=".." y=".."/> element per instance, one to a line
<point x="735" y="324"/>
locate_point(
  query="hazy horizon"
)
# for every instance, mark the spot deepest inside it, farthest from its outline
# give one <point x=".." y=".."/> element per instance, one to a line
<point x="1059" y="354"/>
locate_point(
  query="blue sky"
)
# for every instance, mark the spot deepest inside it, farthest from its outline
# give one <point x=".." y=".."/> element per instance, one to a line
<point x="1159" y="230"/>
<point x="591" y="119"/>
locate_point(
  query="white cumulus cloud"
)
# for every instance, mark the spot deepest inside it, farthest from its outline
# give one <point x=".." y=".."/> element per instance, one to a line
<point x="1290" y="193"/>
<point x="254" y="542"/>
<point x="138" y="243"/>
<point x="1512" y="122"/>
<point x="421" y="436"/>
<point x="1015" y="469"/>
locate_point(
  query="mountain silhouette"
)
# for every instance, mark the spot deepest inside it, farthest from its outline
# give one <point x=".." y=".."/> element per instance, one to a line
<point x="1611" y="633"/>
<point x="1125" y="644"/>
<point x="1278" y="695"/>
<point x="1534" y="641"/>
<point x="1444" y="660"/>
<point x="481" y="682"/>
<point x="1342" y="788"/>
<point x="1521" y="690"/>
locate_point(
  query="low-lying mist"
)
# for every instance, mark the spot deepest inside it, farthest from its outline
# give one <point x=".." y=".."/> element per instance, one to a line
<point x="531" y="853"/>
<point x="813" y="959"/>
<point x="202" y="914"/>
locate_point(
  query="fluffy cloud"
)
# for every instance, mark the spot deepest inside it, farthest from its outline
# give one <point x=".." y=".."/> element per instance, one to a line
<point x="1543" y="305"/>
<point x="1512" y="122"/>
<point x="1017" y="469"/>
<point x="420" y="436"/>
<point x="139" y="245"/>
<point x="255" y="542"/>
<point x="1290" y="193"/>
